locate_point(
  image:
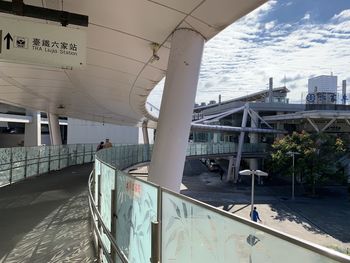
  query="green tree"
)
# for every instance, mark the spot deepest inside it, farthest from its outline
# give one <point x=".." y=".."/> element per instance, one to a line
<point x="317" y="157"/>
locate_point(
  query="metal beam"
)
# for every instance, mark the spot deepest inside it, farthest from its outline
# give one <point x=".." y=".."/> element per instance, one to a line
<point x="240" y="142"/>
<point x="309" y="114"/>
<point x="254" y="112"/>
<point x="328" y="124"/>
<point x="224" y="114"/>
<point x="15" y="118"/>
<point x="61" y="122"/>
<point x="347" y="121"/>
<point x="207" y="127"/>
<point x="313" y="125"/>
<point x="19" y="8"/>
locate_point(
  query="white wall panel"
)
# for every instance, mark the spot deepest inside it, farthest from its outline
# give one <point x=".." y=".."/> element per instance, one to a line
<point x="82" y="131"/>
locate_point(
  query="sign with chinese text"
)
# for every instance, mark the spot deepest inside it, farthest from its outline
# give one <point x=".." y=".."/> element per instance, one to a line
<point x="43" y="44"/>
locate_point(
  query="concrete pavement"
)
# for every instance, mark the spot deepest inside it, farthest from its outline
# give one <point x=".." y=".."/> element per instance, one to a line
<point x="45" y="218"/>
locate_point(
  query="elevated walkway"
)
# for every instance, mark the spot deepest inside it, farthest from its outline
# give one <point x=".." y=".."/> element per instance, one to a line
<point x="46" y="219"/>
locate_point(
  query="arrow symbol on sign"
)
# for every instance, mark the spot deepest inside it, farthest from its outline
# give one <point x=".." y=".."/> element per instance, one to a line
<point x="8" y="39"/>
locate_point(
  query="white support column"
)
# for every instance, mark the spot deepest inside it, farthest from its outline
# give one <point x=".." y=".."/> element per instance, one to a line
<point x="279" y="126"/>
<point x="240" y="143"/>
<point x="230" y="169"/>
<point x="54" y="128"/>
<point x="175" y="116"/>
<point x="254" y="138"/>
<point x="32" y="130"/>
<point x="344" y="92"/>
<point x="145" y="133"/>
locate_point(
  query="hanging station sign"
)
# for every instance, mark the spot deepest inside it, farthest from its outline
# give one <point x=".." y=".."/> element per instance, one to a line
<point x="43" y="44"/>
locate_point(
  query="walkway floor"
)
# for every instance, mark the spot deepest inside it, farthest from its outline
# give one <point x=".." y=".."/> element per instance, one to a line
<point x="45" y="219"/>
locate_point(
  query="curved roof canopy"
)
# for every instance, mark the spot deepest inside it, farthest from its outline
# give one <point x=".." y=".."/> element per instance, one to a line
<point x="120" y="72"/>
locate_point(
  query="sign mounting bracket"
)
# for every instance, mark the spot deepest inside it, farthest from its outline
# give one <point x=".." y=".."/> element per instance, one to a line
<point x="17" y="7"/>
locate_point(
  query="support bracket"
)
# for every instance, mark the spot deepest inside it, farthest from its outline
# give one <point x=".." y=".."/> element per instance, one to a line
<point x="17" y="7"/>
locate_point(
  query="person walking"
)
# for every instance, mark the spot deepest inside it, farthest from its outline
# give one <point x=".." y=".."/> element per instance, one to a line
<point x="221" y="172"/>
<point x="100" y="146"/>
<point x="108" y="144"/>
<point x="255" y="216"/>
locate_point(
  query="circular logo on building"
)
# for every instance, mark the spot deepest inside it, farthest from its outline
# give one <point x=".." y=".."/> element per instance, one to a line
<point x="310" y="97"/>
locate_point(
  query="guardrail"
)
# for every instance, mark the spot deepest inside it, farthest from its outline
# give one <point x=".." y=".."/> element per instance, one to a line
<point x="137" y="221"/>
<point x="19" y="163"/>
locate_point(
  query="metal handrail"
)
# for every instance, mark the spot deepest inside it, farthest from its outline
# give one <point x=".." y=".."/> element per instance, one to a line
<point x="94" y="211"/>
<point x="105" y="251"/>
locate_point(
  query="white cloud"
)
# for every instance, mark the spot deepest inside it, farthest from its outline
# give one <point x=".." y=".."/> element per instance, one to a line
<point x="241" y="59"/>
<point x="342" y="16"/>
<point x="307" y="16"/>
<point x="270" y="25"/>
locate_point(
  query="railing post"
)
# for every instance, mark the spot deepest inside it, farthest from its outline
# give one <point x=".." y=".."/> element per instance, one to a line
<point x="83" y="153"/>
<point x="49" y="164"/>
<point x="91" y="152"/>
<point x="38" y="165"/>
<point x="76" y="154"/>
<point x="113" y="220"/>
<point x="155" y="245"/>
<point x="11" y="165"/>
<point x="25" y="163"/>
<point x="67" y="147"/>
<point x="100" y="250"/>
<point x="59" y="157"/>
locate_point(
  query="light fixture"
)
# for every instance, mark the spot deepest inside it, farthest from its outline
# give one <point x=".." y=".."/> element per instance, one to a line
<point x="155" y="47"/>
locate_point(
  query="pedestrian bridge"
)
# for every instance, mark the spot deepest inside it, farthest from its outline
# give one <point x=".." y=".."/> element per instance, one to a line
<point x="133" y="220"/>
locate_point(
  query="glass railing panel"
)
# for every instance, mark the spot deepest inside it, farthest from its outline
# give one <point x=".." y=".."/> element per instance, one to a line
<point x="72" y="159"/>
<point x="18" y="163"/>
<point x="116" y="153"/>
<point x="89" y="152"/>
<point x="193" y="232"/>
<point x="5" y="165"/>
<point x="145" y="153"/>
<point x="134" y="154"/>
<point x="96" y="181"/>
<point x="80" y="153"/>
<point x="44" y="152"/>
<point x="192" y="149"/>
<point x="198" y="149"/>
<point x="136" y="208"/>
<point x="215" y="148"/>
<point x="54" y="157"/>
<point x="140" y="149"/>
<point x="204" y="148"/>
<point x="64" y="150"/>
<point x="33" y="155"/>
<point x="107" y="181"/>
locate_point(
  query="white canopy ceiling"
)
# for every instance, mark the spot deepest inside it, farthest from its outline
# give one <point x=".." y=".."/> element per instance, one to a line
<point x="119" y="74"/>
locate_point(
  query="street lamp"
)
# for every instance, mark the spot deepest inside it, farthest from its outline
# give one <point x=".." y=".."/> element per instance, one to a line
<point x="290" y="153"/>
<point x="252" y="173"/>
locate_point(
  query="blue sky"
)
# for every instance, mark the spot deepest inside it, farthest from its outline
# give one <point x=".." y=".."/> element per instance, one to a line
<point x="287" y="40"/>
